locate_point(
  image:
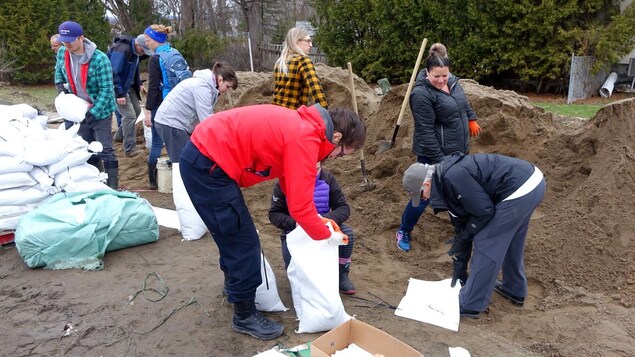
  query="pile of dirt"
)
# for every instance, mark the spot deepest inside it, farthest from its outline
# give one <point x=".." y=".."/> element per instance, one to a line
<point x="580" y="232"/>
<point x="579" y="254"/>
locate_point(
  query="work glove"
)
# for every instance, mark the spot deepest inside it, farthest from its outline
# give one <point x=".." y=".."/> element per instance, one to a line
<point x="89" y="117"/>
<point x="459" y="272"/>
<point x="338" y="238"/>
<point x="335" y="226"/>
<point x="460" y="248"/>
<point x="475" y="129"/>
<point x="61" y="87"/>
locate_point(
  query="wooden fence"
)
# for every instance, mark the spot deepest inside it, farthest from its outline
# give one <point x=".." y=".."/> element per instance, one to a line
<point x="271" y="53"/>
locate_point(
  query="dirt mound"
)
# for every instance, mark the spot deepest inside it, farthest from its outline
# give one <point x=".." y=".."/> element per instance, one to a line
<point x="579" y="255"/>
<point x="580" y="231"/>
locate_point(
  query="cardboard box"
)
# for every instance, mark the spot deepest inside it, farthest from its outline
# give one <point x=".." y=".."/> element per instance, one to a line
<point x="365" y="336"/>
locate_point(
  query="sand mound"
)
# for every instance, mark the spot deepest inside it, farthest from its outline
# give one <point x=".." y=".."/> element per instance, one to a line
<point x="582" y="228"/>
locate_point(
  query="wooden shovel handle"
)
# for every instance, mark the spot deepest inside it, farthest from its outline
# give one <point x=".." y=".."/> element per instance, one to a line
<point x="351" y="84"/>
<point x="412" y="81"/>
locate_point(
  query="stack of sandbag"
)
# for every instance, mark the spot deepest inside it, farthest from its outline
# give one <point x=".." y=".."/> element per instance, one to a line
<point x="36" y="163"/>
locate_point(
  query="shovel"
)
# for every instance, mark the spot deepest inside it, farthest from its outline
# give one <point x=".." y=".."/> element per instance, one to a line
<point x="385" y="145"/>
<point x="367" y="185"/>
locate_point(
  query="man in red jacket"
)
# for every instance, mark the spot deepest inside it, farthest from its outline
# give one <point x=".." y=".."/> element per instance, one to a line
<point x="247" y="145"/>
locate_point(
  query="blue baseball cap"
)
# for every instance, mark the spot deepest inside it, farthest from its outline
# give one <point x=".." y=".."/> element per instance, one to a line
<point x="69" y="31"/>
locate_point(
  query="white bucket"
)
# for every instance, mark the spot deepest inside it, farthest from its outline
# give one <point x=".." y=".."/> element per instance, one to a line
<point x="164" y="175"/>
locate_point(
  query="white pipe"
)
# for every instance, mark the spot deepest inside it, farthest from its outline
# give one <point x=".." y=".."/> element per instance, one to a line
<point x="251" y="58"/>
<point x="607" y="87"/>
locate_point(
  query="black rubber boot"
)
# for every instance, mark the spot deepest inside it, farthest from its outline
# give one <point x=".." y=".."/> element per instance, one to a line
<point x="250" y="321"/>
<point x="152" y="177"/>
<point x="346" y="286"/>
<point x="96" y="161"/>
<point x="112" y="169"/>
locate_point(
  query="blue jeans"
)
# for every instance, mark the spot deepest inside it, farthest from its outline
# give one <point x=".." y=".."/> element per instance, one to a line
<point x="411" y="215"/>
<point x="157" y="143"/>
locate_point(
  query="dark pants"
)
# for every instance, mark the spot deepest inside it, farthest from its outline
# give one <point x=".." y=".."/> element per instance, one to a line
<point x="345" y="251"/>
<point x="411" y="215"/>
<point x="98" y="130"/>
<point x="174" y="140"/>
<point x="501" y="244"/>
<point x="220" y="204"/>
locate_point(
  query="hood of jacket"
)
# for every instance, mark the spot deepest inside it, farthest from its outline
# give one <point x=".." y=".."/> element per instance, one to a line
<point x="437" y="196"/>
<point x="205" y="74"/>
<point x="89" y="50"/>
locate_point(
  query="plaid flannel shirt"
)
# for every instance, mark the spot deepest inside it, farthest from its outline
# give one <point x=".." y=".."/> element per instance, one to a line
<point x="292" y="90"/>
<point x="99" y="83"/>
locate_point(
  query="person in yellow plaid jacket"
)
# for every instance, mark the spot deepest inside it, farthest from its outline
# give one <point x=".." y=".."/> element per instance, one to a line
<point x="294" y="73"/>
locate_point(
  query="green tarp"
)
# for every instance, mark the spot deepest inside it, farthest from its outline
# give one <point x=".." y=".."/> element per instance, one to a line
<point x="75" y="230"/>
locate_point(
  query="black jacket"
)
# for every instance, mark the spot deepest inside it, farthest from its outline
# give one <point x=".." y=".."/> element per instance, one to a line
<point x="470" y="186"/>
<point x="155" y="79"/>
<point x="279" y="212"/>
<point x="441" y="119"/>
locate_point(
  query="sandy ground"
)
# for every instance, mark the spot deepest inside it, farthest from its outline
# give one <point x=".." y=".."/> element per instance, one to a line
<point x="579" y="254"/>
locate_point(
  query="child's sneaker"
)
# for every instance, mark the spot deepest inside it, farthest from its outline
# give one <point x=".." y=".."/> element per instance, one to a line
<point x="403" y="240"/>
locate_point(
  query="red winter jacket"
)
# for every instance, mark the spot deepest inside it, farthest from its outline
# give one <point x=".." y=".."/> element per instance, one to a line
<point x="263" y="142"/>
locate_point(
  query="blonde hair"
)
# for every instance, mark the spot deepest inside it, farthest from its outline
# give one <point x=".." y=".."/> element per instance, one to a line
<point x="291" y="48"/>
<point x="161" y="28"/>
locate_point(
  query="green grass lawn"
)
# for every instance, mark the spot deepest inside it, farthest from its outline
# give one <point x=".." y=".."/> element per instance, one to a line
<point x="41" y="97"/>
<point x="585" y="111"/>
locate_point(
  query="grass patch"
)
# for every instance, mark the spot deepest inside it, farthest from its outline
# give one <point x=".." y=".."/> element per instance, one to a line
<point x="585" y="111"/>
<point x="41" y="97"/>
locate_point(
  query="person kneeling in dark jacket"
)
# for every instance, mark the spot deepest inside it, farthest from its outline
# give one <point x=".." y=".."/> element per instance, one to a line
<point x="330" y="203"/>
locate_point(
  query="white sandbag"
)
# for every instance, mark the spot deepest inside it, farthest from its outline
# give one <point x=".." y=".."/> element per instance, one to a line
<point x="192" y="226"/>
<point x="15" y="129"/>
<point x="16" y="179"/>
<point x="11" y="148"/>
<point x="267" y="297"/>
<point x="314" y="278"/>
<point x="79" y="173"/>
<point x="70" y="132"/>
<point x="42" y="177"/>
<point x="18" y="111"/>
<point x="10" y="215"/>
<point x="147" y="135"/>
<point x="71" y="107"/>
<point x="22" y="195"/>
<point x="86" y="186"/>
<point x="42" y="120"/>
<point x="52" y="149"/>
<point x="13" y="164"/>
<point x="72" y="159"/>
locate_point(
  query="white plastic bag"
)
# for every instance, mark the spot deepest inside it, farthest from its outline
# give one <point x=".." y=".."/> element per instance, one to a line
<point x="314" y="278"/>
<point x="267" y="297"/>
<point x="71" y="107"/>
<point x="147" y="131"/>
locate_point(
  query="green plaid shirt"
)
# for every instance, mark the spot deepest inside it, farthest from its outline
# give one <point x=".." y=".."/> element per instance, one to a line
<point x="292" y="90"/>
<point x="99" y="84"/>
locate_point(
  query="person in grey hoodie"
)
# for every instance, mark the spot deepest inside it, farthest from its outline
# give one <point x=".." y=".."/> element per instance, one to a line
<point x="189" y="103"/>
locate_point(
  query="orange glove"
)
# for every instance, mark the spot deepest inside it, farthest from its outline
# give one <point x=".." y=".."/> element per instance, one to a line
<point x="336" y="228"/>
<point x="475" y="129"/>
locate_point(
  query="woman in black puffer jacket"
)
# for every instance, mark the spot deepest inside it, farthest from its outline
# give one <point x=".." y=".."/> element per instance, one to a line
<point x="444" y="122"/>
